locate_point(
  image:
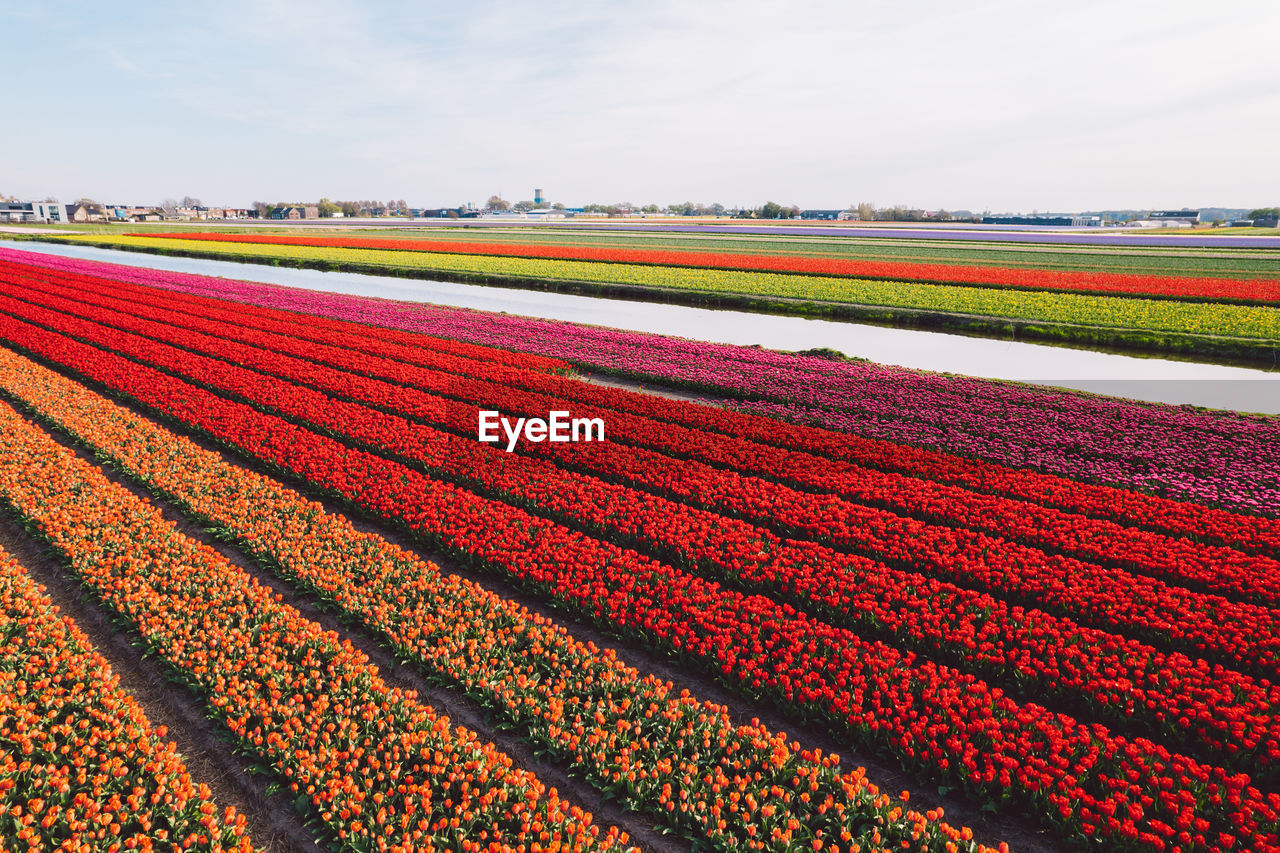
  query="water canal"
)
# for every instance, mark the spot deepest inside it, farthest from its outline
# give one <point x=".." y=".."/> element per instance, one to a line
<point x="1149" y="379"/>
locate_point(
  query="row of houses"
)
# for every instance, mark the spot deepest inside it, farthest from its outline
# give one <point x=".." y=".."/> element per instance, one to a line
<point x="56" y="212"/>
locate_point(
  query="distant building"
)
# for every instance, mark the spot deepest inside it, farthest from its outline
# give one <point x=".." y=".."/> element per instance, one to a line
<point x="1027" y="220"/>
<point x="85" y="213"/>
<point x="1086" y="221"/>
<point x="820" y="214"/>
<point x="537" y="198"/>
<point x="125" y="213"/>
<point x="309" y="211"/>
<point x="16" y="211"/>
<point x="33" y="211"/>
<point x="1271" y="221"/>
<point x="1191" y="217"/>
<point x="1169" y="222"/>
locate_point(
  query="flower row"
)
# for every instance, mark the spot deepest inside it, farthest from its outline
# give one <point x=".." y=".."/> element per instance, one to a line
<point x="1215" y="458"/>
<point x="1185" y="287"/>
<point x="622" y="728"/>
<point x="1190" y="702"/>
<point x="1246" y="635"/>
<point x="80" y="764"/>
<point x="1223" y="570"/>
<point x="941" y="720"/>
<point x="1107" y="312"/>
<point x="371" y="761"/>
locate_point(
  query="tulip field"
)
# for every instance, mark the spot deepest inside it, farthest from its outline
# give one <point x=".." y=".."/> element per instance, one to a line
<point x="1065" y="624"/>
<point x="1120" y="284"/>
<point x="1228" y="318"/>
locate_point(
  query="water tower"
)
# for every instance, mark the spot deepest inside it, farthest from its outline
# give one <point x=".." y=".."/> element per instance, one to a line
<point x="537" y="197"/>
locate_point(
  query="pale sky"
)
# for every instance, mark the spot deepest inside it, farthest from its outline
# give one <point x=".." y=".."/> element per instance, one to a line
<point x="1010" y="105"/>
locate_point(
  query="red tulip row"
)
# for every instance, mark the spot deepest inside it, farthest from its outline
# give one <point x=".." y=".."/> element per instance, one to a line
<point x="1132" y="792"/>
<point x="1214" y="568"/>
<point x="1093" y="281"/>
<point x="1124" y="507"/>
<point x="1177" y="691"/>
<point x="728" y="785"/>
<point x="446" y="353"/>
<point x="80" y="763"/>
<point x="1173" y="693"/>
<point x="1222" y="570"/>
<point x="1243" y="634"/>
<point x="373" y="762"/>
<point x="1188" y="701"/>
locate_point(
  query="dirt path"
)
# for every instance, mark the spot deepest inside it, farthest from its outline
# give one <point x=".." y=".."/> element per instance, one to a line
<point x="643" y="387"/>
<point x="273" y="824"/>
<point x="460" y="709"/>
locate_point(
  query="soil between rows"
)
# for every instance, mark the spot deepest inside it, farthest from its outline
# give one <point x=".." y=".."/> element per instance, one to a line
<point x="1021" y="832"/>
<point x="273" y="824"/>
<point x="460" y="709"/>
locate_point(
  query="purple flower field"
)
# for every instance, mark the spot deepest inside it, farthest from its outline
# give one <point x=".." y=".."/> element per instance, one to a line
<point x="1221" y="459"/>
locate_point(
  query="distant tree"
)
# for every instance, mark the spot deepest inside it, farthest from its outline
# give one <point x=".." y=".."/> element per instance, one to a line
<point x="717" y="209"/>
<point x="49" y="199"/>
<point x="866" y="211"/>
<point x="262" y="209"/>
<point x="169" y="206"/>
<point x="326" y="208"/>
<point x="497" y="202"/>
<point x="771" y="210"/>
<point x="557" y="205"/>
<point x="1263" y="211"/>
<point x="189" y="201"/>
<point x="524" y="205"/>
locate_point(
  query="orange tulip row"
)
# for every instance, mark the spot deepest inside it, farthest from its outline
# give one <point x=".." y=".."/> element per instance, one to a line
<point x="616" y="725"/>
<point x="81" y="767"/>
<point x="379" y="768"/>
<point x="1082" y="778"/>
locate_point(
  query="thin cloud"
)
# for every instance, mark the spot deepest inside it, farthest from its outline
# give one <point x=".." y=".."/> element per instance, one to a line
<point x="1010" y="105"/>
